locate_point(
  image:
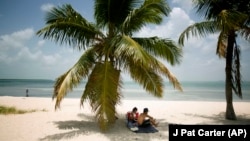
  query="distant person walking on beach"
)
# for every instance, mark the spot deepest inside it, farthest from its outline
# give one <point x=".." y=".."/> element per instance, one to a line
<point x="27" y="92"/>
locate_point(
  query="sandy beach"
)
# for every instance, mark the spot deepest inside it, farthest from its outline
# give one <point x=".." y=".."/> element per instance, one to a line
<point x="73" y="123"/>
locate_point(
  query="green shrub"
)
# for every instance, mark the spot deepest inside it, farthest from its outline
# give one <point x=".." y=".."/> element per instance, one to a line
<point x="12" y="110"/>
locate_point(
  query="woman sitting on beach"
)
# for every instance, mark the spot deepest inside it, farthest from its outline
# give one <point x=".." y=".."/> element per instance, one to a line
<point x="145" y="120"/>
<point x="132" y="119"/>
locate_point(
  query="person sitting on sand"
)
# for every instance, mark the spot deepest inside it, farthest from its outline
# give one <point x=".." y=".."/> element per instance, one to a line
<point x="145" y="120"/>
<point x="132" y="117"/>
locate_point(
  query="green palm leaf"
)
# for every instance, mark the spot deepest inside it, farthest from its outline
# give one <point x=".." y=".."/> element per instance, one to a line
<point x="146" y="76"/>
<point x="143" y="67"/>
<point x="127" y="48"/>
<point x="164" y="70"/>
<point x="102" y="90"/>
<point x="64" y="25"/>
<point x="72" y="78"/>
<point x="231" y="20"/>
<point x="112" y="11"/>
<point x="163" y="48"/>
<point x="151" y="11"/>
<point x="199" y="29"/>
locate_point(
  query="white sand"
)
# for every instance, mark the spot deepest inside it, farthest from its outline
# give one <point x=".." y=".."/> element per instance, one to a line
<point x="72" y="123"/>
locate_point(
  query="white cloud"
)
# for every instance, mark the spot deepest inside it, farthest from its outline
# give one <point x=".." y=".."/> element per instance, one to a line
<point x="5" y="58"/>
<point x="25" y="34"/>
<point x="177" y="21"/>
<point x="14" y="48"/>
<point x="186" y="5"/>
<point x="14" y="44"/>
<point x="27" y="55"/>
<point x="19" y="51"/>
<point x="41" y="43"/>
<point x="51" y="59"/>
<point x="47" y="7"/>
<point x="244" y="44"/>
<point x="16" y="39"/>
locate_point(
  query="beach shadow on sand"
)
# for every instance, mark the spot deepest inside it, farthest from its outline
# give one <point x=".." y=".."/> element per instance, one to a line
<point x="119" y="132"/>
<point x="243" y="119"/>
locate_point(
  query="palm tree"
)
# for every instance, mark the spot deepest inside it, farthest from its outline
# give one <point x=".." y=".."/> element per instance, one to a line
<point x="228" y="18"/>
<point x="108" y="48"/>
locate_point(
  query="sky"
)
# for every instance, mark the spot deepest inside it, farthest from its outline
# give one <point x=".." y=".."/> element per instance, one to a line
<point x="24" y="55"/>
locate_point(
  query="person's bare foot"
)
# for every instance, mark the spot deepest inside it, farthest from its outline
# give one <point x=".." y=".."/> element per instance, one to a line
<point x="155" y="124"/>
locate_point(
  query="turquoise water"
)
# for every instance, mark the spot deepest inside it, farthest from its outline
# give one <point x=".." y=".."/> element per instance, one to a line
<point x="193" y="91"/>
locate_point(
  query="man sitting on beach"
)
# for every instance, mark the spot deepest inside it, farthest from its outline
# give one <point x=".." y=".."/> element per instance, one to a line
<point x="132" y="119"/>
<point x="144" y="120"/>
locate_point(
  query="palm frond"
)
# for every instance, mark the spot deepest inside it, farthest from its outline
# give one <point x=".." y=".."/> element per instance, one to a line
<point x="231" y="20"/>
<point x="65" y="25"/>
<point x="164" y="70"/>
<point x="143" y="67"/>
<point x="222" y="45"/>
<point x="245" y="32"/>
<point x="236" y="76"/>
<point x="66" y="82"/>
<point x="151" y="11"/>
<point x="209" y="8"/>
<point x="112" y="11"/>
<point x="126" y="47"/>
<point x="164" y="48"/>
<point x="199" y="29"/>
<point x="147" y="77"/>
<point x="102" y="91"/>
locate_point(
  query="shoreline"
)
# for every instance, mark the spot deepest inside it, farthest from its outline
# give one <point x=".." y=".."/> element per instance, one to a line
<point x="146" y="98"/>
<point x="72" y="122"/>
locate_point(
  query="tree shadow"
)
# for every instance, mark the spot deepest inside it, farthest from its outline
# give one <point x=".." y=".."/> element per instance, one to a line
<point x="73" y="128"/>
<point x="243" y="119"/>
<point x="119" y="131"/>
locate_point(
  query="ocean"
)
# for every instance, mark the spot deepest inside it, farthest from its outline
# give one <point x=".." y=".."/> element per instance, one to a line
<point x="192" y="91"/>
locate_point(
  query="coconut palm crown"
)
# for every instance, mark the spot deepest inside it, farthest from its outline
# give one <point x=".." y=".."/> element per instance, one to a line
<point x="228" y="18"/>
<point x="109" y="47"/>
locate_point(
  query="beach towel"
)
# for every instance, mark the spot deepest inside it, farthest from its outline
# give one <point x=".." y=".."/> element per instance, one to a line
<point x="148" y="129"/>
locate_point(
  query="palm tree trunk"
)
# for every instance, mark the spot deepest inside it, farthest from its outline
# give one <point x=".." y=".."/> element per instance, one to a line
<point x="230" y="114"/>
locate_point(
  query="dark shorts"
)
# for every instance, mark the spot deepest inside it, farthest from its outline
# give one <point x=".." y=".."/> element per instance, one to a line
<point x="145" y="123"/>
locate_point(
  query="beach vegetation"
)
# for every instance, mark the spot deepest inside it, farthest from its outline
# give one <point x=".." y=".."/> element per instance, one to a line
<point x="230" y="20"/>
<point x="5" y="110"/>
<point x="110" y="48"/>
